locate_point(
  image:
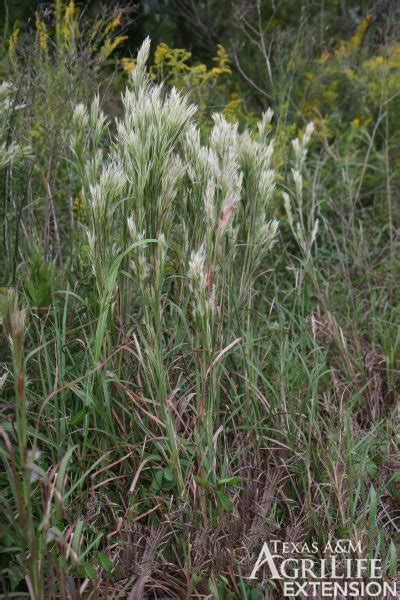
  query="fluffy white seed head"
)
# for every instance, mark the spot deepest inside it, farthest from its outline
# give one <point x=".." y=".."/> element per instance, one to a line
<point x="142" y="58"/>
<point x="191" y="142"/>
<point x="97" y="119"/>
<point x="268" y="233"/>
<point x="224" y="135"/>
<point x="264" y="123"/>
<point x="196" y="272"/>
<point x="229" y="206"/>
<point x="298" y="181"/>
<point x="267" y="185"/>
<point x="107" y="190"/>
<point x="210" y="301"/>
<point x="132" y="228"/>
<point x="308" y="133"/>
<point x="288" y="207"/>
<point x="314" y="232"/>
<point x="300" y="146"/>
<point x="80" y="117"/>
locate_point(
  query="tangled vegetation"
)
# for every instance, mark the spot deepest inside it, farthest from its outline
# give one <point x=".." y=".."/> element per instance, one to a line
<point x="200" y="341"/>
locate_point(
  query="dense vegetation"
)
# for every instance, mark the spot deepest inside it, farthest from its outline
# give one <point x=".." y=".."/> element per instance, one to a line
<point x="200" y="259"/>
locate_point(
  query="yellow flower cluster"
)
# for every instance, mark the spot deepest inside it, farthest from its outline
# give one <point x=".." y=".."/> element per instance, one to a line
<point x="172" y="64"/>
<point x="350" y="72"/>
<point x="40" y="32"/>
<point x="13" y="39"/>
<point x="104" y="38"/>
<point x="222" y="60"/>
<point x="346" y="47"/>
<point x="114" y="23"/>
<point x="232" y="108"/>
<point x="174" y="59"/>
<point x="128" y="64"/>
<point x="71" y="28"/>
<point x="77" y="206"/>
<point x="70" y="11"/>
<point x="111" y="44"/>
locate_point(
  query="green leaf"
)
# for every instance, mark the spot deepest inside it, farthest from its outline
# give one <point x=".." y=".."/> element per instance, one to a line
<point x="153" y="458"/>
<point x="62" y="471"/>
<point x="89" y="571"/>
<point x="156" y="484"/>
<point x="77" y="537"/>
<point x="161" y="482"/>
<point x="224" y="501"/>
<point x="195" y="580"/>
<point x="105" y="562"/>
<point x="229" y="481"/>
<point x="79" y="416"/>
<point x="373" y="505"/>
<point x="392" y="555"/>
<point x="169" y="475"/>
<point x="371" y="468"/>
<point x="31" y="289"/>
<point x="395" y="478"/>
<point x="202" y="482"/>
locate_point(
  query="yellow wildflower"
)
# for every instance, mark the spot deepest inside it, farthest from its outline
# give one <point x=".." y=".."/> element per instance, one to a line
<point x="230" y="110"/>
<point x="216" y="71"/>
<point x="114" y="23"/>
<point x="222" y="59"/>
<point x="41" y="32"/>
<point x="70" y="20"/>
<point x="13" y="39"/>
<point x="70" y="11"/>
<point x="128" y="64"/>
<point x="374" y="63"/>
<point x="78" y="203"/>
<point x="110" y="45"/>
<point x="346" y="47"/>
<point x="161" y="54"/>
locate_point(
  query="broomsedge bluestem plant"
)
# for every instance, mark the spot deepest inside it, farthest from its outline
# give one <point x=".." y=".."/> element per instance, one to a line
<point x="304" y="228"/>
<point x="206" y="207"/>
